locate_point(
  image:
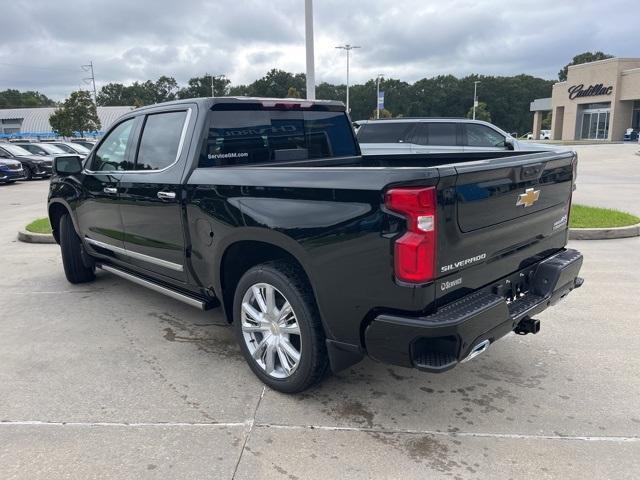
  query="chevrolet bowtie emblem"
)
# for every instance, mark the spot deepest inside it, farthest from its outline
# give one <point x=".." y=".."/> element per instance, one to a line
<point x="528" y="198"/>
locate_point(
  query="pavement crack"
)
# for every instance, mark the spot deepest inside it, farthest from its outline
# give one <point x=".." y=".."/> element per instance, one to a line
<point x="252" y="422"/>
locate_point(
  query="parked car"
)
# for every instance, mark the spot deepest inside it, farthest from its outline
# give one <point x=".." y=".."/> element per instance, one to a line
<point x="545" y="134"/>
<point x="40" y="148"/>
<point x="436" y="135"/>
<point x="630" y="135"/>
<point x="317" y="255"/>
<point x="73" y="148"/>
<point x="88" y="144"/>
<point x="10" y="170"/>
<point x="34" y="166"/>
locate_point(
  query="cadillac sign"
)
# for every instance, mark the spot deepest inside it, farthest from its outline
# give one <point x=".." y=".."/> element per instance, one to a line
<point x="577" y="91"/>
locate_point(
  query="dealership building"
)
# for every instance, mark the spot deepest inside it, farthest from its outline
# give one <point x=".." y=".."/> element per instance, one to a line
<point x="34" y="122"/>
<point x="598" y="101"/>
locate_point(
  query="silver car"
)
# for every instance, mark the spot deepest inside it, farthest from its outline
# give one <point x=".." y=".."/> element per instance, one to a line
<point x="436" y="135"/>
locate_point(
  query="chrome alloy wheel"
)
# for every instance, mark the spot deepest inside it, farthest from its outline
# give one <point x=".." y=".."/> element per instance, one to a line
<point x="270" y="330"/>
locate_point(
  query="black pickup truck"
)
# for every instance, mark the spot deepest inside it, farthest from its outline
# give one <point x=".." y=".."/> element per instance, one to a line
<point x="318" y="255"/>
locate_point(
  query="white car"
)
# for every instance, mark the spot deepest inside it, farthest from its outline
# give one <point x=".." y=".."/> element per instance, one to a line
<point x="545" y="134"/>
<point x="436" y="135"/>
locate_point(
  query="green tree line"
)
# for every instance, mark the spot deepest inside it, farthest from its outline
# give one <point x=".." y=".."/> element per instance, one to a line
<point x="505" y="99"/>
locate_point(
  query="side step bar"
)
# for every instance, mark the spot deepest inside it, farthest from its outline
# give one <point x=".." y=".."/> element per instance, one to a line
<point x="188" y="299"/>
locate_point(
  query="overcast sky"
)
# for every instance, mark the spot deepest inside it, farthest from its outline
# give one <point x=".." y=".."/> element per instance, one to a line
<point x="44" y="42"/>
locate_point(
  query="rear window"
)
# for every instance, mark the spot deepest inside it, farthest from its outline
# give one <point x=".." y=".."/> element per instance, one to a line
<point x="243" y="137"/>
<point x="387" y="132"/>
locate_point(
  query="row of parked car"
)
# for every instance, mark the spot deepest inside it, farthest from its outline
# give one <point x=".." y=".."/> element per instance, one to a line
<point x="27" y="160"/>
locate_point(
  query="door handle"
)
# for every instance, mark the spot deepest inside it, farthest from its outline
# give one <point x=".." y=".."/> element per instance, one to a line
<point x="110" y="190"/>
<point x="166" y="195"/>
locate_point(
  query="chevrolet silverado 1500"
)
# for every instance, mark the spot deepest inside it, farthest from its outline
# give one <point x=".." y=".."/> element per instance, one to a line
<point x="318" y="255"/>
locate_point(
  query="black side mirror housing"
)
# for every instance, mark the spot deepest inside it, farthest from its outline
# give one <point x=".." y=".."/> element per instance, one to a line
<point x="64" y="166"/>
<point x="508" y="143"/>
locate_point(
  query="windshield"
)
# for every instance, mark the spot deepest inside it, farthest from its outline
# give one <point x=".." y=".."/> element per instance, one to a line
<point x="52" y="149"/>
<point x="15" y="150"/>
<point x="78" y="148"/>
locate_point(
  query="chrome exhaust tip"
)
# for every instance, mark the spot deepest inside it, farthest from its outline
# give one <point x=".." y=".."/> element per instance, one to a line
<point x="477" y="350"/>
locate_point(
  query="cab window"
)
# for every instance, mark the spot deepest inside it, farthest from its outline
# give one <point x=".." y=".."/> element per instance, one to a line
<point x="483" y="136"/>
<point x="160" y="140"/>
<point x="112" y="153"/>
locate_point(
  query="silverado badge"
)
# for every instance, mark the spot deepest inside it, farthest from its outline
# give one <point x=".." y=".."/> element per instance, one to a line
<point x="528" y="198"/>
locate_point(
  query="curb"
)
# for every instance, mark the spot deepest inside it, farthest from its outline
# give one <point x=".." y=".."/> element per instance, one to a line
<point x="604" y="233"/>
<point x="29" y="237"/>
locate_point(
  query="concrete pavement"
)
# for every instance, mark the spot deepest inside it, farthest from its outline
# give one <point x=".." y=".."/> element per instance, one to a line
<point x="110" y="380"/>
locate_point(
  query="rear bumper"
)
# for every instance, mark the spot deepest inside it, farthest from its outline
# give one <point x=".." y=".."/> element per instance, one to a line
<point x="438" y="342"/>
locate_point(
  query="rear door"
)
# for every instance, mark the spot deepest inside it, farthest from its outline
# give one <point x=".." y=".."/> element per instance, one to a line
<point x="384" y="137"/>
<point x="502" y="215"/>
<point x="436" y="137"/>
<point x="98" y="212"/>
<point x="151" y="195"/>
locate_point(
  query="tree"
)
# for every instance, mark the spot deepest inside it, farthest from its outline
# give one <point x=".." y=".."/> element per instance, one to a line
<point x="292" y="92"/>
<point x="585" y="57"/>
<point x="384" y="113"/>
<point x="138" y="94"/>
<point x="77" y="114"/>
<point x="481" y="112"/>
<point x="546" y="121"/>
<point x="11" y="98"/>
<point x="201" y="87"/>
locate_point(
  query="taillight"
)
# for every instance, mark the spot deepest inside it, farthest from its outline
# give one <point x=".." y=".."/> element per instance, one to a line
<point x="415" y="251"/>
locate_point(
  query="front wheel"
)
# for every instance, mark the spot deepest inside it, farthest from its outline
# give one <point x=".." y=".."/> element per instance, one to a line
<point x="28" y="173"/>
<point x="74" y="268"/>
<point x="278" y="327"/>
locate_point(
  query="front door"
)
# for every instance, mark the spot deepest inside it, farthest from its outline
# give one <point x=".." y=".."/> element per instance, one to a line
<point x="98" y="212"/>
<point x="480" y="138"/>
<point x="151" y="197"/>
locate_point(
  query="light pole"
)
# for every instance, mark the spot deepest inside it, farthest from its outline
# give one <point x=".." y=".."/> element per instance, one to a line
<point x="378" y="78"/>
<point x="212" y="78"/>
<point x="348" y="49"/>
<point x="308" y="29"/>
<point x="475" y="97"/>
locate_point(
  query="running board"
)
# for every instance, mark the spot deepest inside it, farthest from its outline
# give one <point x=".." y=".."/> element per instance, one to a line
<point x="188" y="299"/>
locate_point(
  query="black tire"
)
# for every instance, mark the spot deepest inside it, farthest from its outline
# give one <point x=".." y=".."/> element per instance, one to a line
<point x="292" y="285"/>
<point x="74" y="268"/>
<point x="28" y="173"/>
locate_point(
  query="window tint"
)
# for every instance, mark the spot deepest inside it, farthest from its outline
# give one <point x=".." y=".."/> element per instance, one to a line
<point x="419" y="135"/>
<point x="240" y="137"/>
<point x="482" y="136"/>
<point x="442" y="133"/>
<point x="111" y="155"/>
<point x="384" y="132"/>
<point x="160" y="140"/>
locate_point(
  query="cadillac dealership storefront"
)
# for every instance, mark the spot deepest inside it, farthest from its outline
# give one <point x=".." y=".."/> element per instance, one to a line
<point x="599" y="101"/>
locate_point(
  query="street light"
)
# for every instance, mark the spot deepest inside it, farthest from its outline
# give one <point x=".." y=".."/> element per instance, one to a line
<point x="378" y="78"/>
<point x="348" y="49"/>
<point x="212" y="78"/>
<point x="308" y="31"/>
<point x="475" y="97"/>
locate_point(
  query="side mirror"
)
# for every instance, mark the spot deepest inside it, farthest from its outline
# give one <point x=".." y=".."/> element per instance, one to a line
<point x="65" y="166"/>
<point x="508" y="143"/>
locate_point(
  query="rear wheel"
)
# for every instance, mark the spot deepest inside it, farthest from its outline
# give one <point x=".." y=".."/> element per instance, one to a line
<point x="74" y="268"/>
<point x="278" y="327"/>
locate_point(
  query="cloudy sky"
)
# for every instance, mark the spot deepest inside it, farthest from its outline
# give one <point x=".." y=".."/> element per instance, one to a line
<point x="44" y="42"/>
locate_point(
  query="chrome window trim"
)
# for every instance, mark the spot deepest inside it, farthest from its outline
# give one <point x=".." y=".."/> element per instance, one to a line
<point x="183" y="136"/>
<point x="139" y="256"/>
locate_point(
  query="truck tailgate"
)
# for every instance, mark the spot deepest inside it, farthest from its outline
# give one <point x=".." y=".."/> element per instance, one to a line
<point x="501" y="215"/>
